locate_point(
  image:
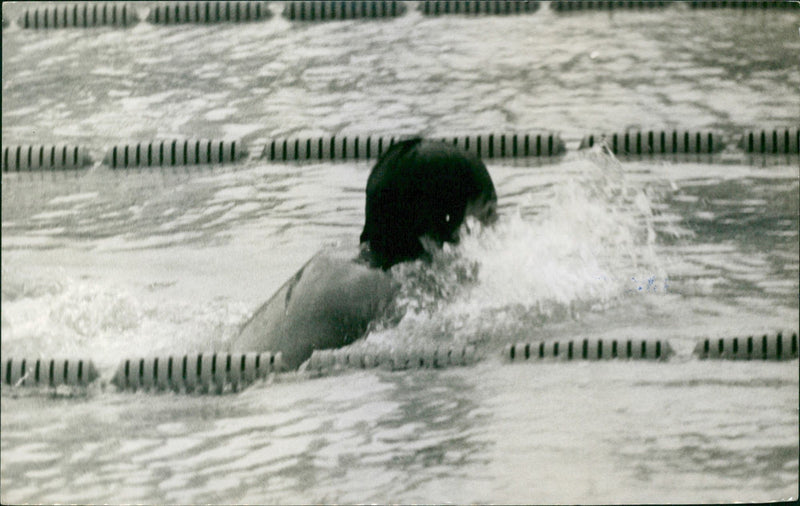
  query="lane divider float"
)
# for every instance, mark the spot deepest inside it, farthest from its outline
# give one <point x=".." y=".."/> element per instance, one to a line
<point x="50" y="157"/>
<point x="330" y="148"/>
<point x="512" y="145"/>
<point x="39" y="372"/>
<point x="166" y="153"/>
<point x="171" y="13"/>
<point x="661" y="142"/>
<point x="173" y="153"/>
<point x="498" y="7"/>
<point x="203" y="372"/>
<point x="231" y="372"/>
<point x="580" y="5"/>
<point x="92" y="14"/>
<point x="340" y="10"/>
<point x="745" y="4"/>
<point x="425" y="358"/>
<point x="764" y="347"/>
<point x="589" y="349"/>
<point x="779" y="141"/>
<point x="369" y="147"/>
<point x="84" y="15"/>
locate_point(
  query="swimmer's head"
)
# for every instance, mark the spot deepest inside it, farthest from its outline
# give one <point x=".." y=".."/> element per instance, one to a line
<point x="421" y="191"/>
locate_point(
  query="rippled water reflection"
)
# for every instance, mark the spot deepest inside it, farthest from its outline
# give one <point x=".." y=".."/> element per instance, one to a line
<point x="109" y="264"/>
<point x="487" y="434"/>
<point x="675" y="68"/>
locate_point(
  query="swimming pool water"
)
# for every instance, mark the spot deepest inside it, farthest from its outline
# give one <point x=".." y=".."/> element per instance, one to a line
<point x="111" y="264"/>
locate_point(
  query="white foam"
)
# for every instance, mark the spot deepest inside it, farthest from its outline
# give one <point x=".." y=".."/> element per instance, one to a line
<point x="220" y="113"/>
<point x="69" y="199"/>
<point x="590" y="247"/>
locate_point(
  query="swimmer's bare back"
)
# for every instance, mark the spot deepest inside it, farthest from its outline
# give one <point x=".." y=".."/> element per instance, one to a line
<point x="329" y="303"/>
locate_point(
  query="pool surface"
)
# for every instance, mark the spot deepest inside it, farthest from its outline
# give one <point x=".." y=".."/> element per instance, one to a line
<point x="110" y="264"/>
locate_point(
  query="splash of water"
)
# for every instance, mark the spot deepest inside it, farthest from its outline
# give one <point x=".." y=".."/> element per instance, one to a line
<point x="61" y="316"/>
<point x="590" y="249"/>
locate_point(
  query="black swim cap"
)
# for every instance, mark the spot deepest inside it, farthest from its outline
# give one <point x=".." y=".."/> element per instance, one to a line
<point x="422" y="188"/>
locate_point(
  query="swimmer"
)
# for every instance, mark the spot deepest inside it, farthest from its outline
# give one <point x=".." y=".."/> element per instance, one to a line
<point x="418" y="193"/>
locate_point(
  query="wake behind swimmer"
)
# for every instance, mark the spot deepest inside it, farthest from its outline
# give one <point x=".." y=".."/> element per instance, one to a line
<point x="418" y="192"/>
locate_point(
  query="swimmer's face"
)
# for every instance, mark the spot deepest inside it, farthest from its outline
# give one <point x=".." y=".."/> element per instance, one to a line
<point x="484" y="211"/>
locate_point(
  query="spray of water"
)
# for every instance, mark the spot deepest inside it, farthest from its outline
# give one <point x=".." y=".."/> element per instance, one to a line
<point x="589" y="249"/>
<point x="57" y="315"/>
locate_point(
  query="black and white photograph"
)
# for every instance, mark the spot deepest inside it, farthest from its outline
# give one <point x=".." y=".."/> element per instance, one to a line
<point x="400" y="252"/>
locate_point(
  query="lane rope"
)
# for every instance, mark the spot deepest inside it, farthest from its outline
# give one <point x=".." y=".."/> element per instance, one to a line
<point x="219" y="372"/>
<point x="581" y="5"/>
<point x="778" y="142"/>
<point x="175" y="152"/>
<point x="41" y="372"/>
<point x="91" y="14"/>
<point x="86" y="15"/>
<point x="780" y="346"/>
<point x="744" y="4"/>
<point x="203" y="372"/>
<point x="653" y="142"/>
<point x="589" y="349"/>
<point x="511" y="145"/>
<point x="496" y="7"/>
<point x="342" y="10"/>
<point x="395" y="360"/>
<point x="44" y="157"/>
<point x="172" y="13"/>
